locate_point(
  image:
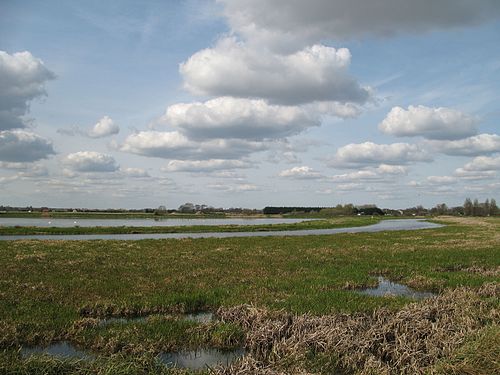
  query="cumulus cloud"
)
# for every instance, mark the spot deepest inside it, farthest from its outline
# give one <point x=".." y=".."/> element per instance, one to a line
<point x="209" y="165"/>
<point x="301" y="173"/>
<point x="381" y="173"/>
<point x="483" y="163"/>
<point x="19" y="146"/>
<point x="175" y="145"/>
<point x="482" y="144"/>
<point x="228" y="117"/>
<point x="342" y="110"/>
<point x="103" y="128"/>
<point x="90" y="161"/>
<point x="22" y="79"/>
<point x="232" y="68"/>
<point x="366" y="154"/>
<point x="431" y="123"/>
<point x="295" y="22"/>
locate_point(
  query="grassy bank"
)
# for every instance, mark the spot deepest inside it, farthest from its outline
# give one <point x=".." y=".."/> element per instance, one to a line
<point x="316" y="224"/>
<point x="296" y="287"/>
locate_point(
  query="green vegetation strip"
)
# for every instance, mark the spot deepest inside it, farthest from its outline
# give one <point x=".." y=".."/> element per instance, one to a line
<point x="59" y="290"/>
<point x="314" y="224"/>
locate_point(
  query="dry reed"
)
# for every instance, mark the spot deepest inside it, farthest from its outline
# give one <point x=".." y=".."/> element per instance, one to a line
<point x="408" y="341"/>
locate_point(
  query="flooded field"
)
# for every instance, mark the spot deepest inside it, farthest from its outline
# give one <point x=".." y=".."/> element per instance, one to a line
<point x="385" y="225"/>
<point x="66" y="223"/>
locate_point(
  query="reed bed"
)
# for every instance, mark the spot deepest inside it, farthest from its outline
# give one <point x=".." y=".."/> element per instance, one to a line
<point x="409" y="341"/>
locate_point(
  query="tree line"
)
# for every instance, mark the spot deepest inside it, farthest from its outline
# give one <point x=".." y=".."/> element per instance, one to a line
<point x="474" y="208"/>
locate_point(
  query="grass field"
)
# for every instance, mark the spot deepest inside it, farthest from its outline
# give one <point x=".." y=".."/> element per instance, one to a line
<point x="288" y="300"/>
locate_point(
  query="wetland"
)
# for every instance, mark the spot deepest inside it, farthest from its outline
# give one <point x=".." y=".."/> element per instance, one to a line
<point x="288" y="304"/>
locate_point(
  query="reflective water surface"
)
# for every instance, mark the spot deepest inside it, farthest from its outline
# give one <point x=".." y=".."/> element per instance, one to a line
<point x="61" y="349"/>
<point x="199" y="359"/>
<point x="388" y="288"/>
<point x="384" y="225"/>
<point x="66" y="223"/>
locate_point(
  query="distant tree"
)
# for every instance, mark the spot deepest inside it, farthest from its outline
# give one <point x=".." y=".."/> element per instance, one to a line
<point x="468" y="207"/>
<point x="493" y="209"/>
<point x="476" y="209"/>
<point x="420" y="210"/>
<point x="440" y="209"/>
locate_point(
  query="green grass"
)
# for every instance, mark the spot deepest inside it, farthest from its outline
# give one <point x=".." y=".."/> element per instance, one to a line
<point x="48" y="288"/>
<point x="315" y="224"/>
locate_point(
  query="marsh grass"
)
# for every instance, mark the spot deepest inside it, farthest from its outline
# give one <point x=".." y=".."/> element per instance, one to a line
<point x="57" y="290"/>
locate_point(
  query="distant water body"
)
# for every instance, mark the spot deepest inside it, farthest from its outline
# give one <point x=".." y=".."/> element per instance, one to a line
<point x="384" y="225"/>
<point x="67" y="223"/>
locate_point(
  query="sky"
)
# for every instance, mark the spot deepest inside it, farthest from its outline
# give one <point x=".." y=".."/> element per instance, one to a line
<point x="249" y="103"/>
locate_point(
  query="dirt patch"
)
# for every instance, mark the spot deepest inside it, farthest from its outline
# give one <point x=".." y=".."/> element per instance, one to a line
<point x="409" y="341"/>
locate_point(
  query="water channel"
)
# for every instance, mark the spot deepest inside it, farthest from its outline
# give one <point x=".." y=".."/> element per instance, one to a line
<point x="384" y="225"/>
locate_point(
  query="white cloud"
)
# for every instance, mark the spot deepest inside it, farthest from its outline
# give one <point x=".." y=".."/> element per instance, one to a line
<point x="482" y="144"/>
<point x="474" y="175"/>
<point x="379" y="174"/>
<point x="104" y="127"/>
<point x="288" y="23"/>
<point x="316" y="73"/>
<point x="431" y="123"/>
<point x="349" y="187"/>
<point x="238" y="188"/>
<point x="174" y="145"/>
<point x="19" y="146"/>
<point x="301" y="173"/>
<point x="366" y="154"/>
<point x="227" y="117"/>
<point x="483" y="163"/>
<point x="90" y="161"/>
<point x="205" y="165"/>
<point x="22" y="79"/>
<point x="134" y="172"/>
<point x="342" y="110"/>
<point x="441" y="180"/>
<point x="387" y="169"/>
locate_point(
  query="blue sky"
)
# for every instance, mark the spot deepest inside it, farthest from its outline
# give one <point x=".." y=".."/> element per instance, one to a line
<point x="249" y="103"/>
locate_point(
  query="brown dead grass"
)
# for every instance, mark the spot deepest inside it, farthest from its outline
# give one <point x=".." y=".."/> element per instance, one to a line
<point x="409" y="341"/>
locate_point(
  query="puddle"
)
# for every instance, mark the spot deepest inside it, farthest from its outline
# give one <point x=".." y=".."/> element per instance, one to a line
<point x="200" y="359"/>
<point x="388" y="288"/>
<point x="201" y="317"/>
<point x="61" y="349"/>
